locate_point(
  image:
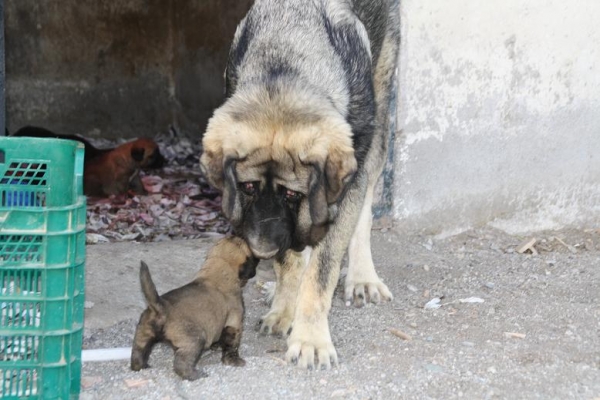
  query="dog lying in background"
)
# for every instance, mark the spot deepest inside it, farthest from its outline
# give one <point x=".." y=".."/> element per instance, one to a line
<point x="112" y="170"/>
<point x="207" y="311"/>
<point x="117" y="171"/>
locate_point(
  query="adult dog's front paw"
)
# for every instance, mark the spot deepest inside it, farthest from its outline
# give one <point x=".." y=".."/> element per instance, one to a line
<point x="309" y="339"/>
<point x="276" y="322"/>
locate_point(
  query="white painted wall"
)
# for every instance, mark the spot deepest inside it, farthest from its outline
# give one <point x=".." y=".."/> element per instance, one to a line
<point x="499" y="112"/>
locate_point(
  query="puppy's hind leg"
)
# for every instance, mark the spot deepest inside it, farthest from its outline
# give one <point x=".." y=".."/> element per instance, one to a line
<point x="230" y="342"/>
<point x="143" y="341"/>
<point x="187" y="355"/>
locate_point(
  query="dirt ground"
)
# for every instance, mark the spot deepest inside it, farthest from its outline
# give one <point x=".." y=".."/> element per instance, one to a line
<point x="528" y="326"/>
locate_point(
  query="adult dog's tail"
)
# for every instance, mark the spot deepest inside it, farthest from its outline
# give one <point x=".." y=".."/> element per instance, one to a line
<point x="149" y="289"/>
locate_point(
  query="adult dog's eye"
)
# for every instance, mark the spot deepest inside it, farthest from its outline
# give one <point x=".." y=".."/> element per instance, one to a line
<point x="292" y="196"/>
<point x="249" y="188"/>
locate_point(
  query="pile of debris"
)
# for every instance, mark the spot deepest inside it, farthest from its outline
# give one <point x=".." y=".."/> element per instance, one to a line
<point x="179" y="205"/>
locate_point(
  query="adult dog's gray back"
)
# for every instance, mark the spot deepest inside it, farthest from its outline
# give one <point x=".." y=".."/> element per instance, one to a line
<point x="319" y="46"/>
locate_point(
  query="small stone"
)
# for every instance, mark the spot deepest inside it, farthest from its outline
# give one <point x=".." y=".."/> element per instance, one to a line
<point x="468" y="344"/>
<point x="323" y="382"/>
<point x="434" y="368"/>
<point x="90" y="381"/>
<point x="339" y="393"/>
<point x="400" y="334"/>
<point x="514" y="335"/>
<point x="429" y="244"/>
<point x="426" y="267"/>
<point x="527" y="244"/>
<point x="413" y="324"/>
<point x="88" y="304"/>
<point x="492" y="370"/>
<point x="136" y="383"/>
<point x="412" y="288"/>
<point x="589" y="245"/>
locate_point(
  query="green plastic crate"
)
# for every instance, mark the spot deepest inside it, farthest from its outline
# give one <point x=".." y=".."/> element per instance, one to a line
<point x="42" y="268"/>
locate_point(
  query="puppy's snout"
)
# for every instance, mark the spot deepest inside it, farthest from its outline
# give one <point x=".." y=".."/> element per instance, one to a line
<point x="248" y="269"/>
<point x="157" y="159"/>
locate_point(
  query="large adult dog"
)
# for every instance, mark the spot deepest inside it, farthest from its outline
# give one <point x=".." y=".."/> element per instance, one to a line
<point x="297" y="149"/>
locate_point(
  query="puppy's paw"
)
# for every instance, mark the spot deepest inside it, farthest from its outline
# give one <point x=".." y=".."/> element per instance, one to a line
<point x="233" y="361"/>
<point x="136" y="366"/>
<point x="308" y="339"/>
<point x="137" y="362"/>
<point x="275" y="323"/>
<point x="192" y="375"/>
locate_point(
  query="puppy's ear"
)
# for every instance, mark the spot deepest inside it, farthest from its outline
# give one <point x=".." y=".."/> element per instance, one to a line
<point x="248" y="269"/>
<point x="137" y="153"/>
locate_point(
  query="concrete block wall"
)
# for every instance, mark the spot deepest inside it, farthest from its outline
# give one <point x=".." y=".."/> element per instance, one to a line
<point x="121" y="68"/>
<point x="498" y="115"/>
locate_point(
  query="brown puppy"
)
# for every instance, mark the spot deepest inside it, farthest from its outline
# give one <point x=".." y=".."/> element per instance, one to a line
<point x="117" y="170"/>
<point x="207" y="311"/>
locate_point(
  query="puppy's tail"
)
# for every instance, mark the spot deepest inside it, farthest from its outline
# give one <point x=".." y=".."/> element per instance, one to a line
<point x="152" y="298"/>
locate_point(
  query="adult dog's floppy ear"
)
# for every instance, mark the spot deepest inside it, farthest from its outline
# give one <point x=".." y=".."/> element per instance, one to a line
<point x="328" y="181"/>
<point x="231" y="204"/>
<point x="211" y="166"/>
<point x="340" y="168"/>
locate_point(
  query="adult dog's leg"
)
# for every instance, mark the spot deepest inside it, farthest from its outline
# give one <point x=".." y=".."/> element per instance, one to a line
<point x="362" y="281"/>
<point x="289" y="274"/>
<point x="311" y="327"/>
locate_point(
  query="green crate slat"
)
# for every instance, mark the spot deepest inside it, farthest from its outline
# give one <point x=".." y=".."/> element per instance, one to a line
<point x="42" y="268"/>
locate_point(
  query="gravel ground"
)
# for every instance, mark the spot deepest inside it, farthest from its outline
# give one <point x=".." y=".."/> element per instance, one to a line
<point x="535" y="335"/>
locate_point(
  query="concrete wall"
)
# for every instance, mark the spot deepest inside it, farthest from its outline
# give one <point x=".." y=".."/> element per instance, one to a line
<point x="499" y="115"/>
<point x="117" y="68"/>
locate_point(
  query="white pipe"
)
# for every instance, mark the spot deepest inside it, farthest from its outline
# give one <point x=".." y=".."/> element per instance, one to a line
<point x="118" y="353"/>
